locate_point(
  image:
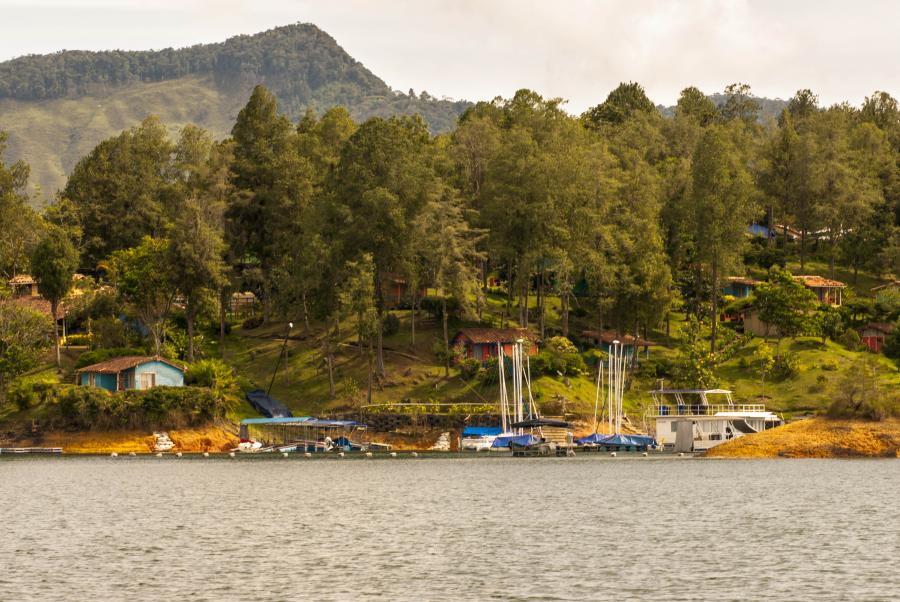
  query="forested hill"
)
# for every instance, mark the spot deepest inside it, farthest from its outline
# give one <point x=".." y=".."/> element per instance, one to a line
<point x="57" y="107"/>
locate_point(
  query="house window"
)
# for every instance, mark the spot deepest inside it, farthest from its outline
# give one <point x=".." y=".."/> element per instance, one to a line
<point x="148" y="380"/>
<point x="91" y="378"/>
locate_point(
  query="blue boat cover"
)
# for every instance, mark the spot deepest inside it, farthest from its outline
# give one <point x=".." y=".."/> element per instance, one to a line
<point x="267" y="406"/>
<point x="517" y="439"/>
<point x="481" y="431"/>
<point x="618" y="440"/>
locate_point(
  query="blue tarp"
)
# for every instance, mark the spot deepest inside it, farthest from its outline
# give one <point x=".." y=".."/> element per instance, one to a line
<point x="267" y="406"/>
<point x="618" y="440"/>
<point x="481" y="431"/>
<point x="517" y="439"/>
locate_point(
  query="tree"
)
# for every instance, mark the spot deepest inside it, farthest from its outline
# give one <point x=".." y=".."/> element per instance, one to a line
<point x="623" y="102"/>
<point x="722" y="208"/>
<point x="357" y="296"/>
<point x="120" y="191"/>
<point x="142" y="277"/>
<point x="448" y="246"/>
<point x="18" y="219"/>
<point x="53" y="263"/>
<point x="786" y="304"/>
<point x="23" y="335"/>
<point x="196" y="245"/>
<point x="739" y="104"/>
<point x="694" y="104"/>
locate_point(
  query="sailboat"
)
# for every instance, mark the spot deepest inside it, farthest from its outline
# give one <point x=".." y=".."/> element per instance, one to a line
<point x="475" y="438"/>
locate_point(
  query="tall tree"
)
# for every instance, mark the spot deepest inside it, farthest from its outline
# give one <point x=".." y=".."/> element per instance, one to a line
<point x="722" y="206"/>
<point x="18" y="219"/>
<point x="623" y="102"/>
<point x="53" y="263"/>
<point x="739" y="104"/>
<point x="23" y="335"/>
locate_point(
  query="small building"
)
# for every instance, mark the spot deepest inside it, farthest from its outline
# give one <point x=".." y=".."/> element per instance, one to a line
<point x="397" y="293"/>
<point x="604" y="341"/>
<point x="828" y="291"/>
<point x="23" y="286"/>
<point x="755" y="326"/>
<point x="481" y="343"/>
<point x="242" y="303"/>
<point x="739" y="287"/>
<point x="874" y="335"/>
<point x="132" y="372"/>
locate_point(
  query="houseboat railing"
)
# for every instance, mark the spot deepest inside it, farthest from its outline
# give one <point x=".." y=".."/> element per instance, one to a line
<point x="703" y="410"/>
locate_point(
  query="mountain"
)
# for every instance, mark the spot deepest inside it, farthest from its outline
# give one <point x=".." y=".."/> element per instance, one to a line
<point x="768" y="107"/>
<point x="57" y="107"/>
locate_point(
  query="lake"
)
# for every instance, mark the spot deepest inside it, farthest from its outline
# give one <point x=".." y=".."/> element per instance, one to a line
<point x="431" y="528"/>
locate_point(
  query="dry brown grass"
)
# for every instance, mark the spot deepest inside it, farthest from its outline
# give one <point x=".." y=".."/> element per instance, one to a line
<point x="210" y="438"/>
<point x="818" y="438"/>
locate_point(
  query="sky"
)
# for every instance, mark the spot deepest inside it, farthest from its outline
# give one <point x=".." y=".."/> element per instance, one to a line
<point x="479" y="49"/>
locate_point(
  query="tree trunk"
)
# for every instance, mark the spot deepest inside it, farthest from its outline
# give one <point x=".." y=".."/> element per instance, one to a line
<point x="305" y="312"/>
<point x="565" y="314"/>
<point x="371" y="374"/>
<point x="412" y="319"/>
<point x="715" y="307"/>
<point x="509" y="291"/>
<point x="53" y="307"/>
<point x="189" y="318"/>
<point x="802" y="250"/>
<point x="446" y="337"/>
<point x="329" y="361"/>
<point x="222" y="310"/>
<point x="541" y="303"/>
<point x="527" y="300"/>
<point x="770" y="219"/>
<point x="379" y="360"/>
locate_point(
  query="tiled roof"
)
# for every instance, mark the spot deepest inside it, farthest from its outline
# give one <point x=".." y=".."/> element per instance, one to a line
<point x="495" y="335"/>
<point x="885" y="327"/>
<point x="819" y="282"/>
<point x="118" y="364"/>
<point x="22" y="279"/>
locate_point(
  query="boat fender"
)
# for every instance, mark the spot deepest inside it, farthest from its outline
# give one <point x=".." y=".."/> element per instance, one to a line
<point x="177" y="454"/>
<point x="284" y="454"/>
<point x="132" y="454"/>
<point x="612" y="454"/>
<point x="205" y="454"/>
<point x="393" y="454"/>
<point x="114" y="455"/>
<point x="645" y="454"/>
<point x="341" y="454"/>
<point x="368" y="454"/>
<point x="159" y="454"/>
<point x="414" y="455"/>
<point x="307" y="455"/>
<point x="231" y="455"/>
<point x="680" y="454"/>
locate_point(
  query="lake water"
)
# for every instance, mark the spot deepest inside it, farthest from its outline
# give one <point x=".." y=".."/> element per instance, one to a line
<point x="584" y="528"/>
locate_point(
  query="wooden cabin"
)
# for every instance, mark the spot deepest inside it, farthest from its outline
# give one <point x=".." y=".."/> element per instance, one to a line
<point x="874" y="335"/>
<point x="481" y="343"/>
<point x="132" y="372"/>
<point x="827" y="291"/>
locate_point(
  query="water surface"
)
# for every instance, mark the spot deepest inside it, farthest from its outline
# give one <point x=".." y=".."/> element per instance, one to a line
<point x="584" y="528"/>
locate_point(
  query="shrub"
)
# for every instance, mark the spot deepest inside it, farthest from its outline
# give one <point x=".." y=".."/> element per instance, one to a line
<point x="469" y="368"/>
<point x="829" y="365"/>
<point x="490" y="374"/>
<point x="858" y="395"/>
<point x="252" y="322"/>
<point x="213" y="374"/>
<point x="391" y="325"/>
<point x="108" y="333"/>
<point x="655" y="368"/>
<point x="433" y="305"/>
<point x="849" y="339"/>
<point x="786" y="366"/>
<point x="559" y="357"/>
<point x="76" y="340"/>
<point x="22" y="395"/>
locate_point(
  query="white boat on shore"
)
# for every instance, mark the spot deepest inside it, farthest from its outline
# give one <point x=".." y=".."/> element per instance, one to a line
<point x="686" y="421"/>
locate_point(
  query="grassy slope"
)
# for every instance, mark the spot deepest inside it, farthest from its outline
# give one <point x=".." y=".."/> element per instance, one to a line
<point x="52" y="135"/>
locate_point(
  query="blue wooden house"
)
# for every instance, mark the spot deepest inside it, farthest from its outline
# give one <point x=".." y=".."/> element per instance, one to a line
<point x="132" y="372"/>
<point x="739" y="287"/>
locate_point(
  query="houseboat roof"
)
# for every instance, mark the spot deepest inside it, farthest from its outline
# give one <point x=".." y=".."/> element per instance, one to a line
<point x="495" y="335"/>
<point x="118" y="364"/>
<point x="813" y="281"/>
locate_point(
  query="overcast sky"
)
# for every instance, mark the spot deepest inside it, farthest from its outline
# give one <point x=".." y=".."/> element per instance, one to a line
<point x="478" y="49"/>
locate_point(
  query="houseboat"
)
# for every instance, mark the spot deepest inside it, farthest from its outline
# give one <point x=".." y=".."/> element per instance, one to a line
<point x="690" y="420"/>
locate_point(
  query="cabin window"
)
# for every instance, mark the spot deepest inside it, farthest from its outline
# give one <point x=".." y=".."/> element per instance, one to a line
<point x="148" y="380"/>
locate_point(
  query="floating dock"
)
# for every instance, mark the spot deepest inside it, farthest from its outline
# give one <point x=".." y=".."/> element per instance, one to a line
<point x="31" y="450"/>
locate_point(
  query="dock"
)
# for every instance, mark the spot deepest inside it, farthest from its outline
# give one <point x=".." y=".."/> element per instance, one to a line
<point x="30" y="450"/>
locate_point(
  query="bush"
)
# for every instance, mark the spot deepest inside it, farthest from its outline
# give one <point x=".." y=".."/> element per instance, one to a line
<point x="100" y="355"/>
<point x="655" y="368"/>
<point x="560" y="357"/>
<point x="490" y="374"/>
<point x="433" y="306"/>
<point x="212" y="374"/>
<point x="76" y="340"/>
<point x="108" y="333"/>
<point x="252" y="322"/>
<point x="858" y="395"/>
<point x="22" y="395"/>
<point x="829" y="365"/>
<point x="391" y="325"/>
<point x="786" y="366"/>
<point x="850" y="339"/>
<point x="469" y="368"/>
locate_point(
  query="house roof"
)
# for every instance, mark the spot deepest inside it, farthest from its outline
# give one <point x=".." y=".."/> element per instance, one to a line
<point x="608" y="336"/>
<point x="895" y="283"/>
<point x="118" y="364"/>
<point x="885" y="327"/>
<point x="22" y="279"/>
<point x="819" y="282"/>
<point x="494" y="335"/>
<point x="743" y="280"/>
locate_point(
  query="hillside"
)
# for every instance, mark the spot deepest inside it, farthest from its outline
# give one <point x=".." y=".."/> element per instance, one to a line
<point x="57" y="107"/>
